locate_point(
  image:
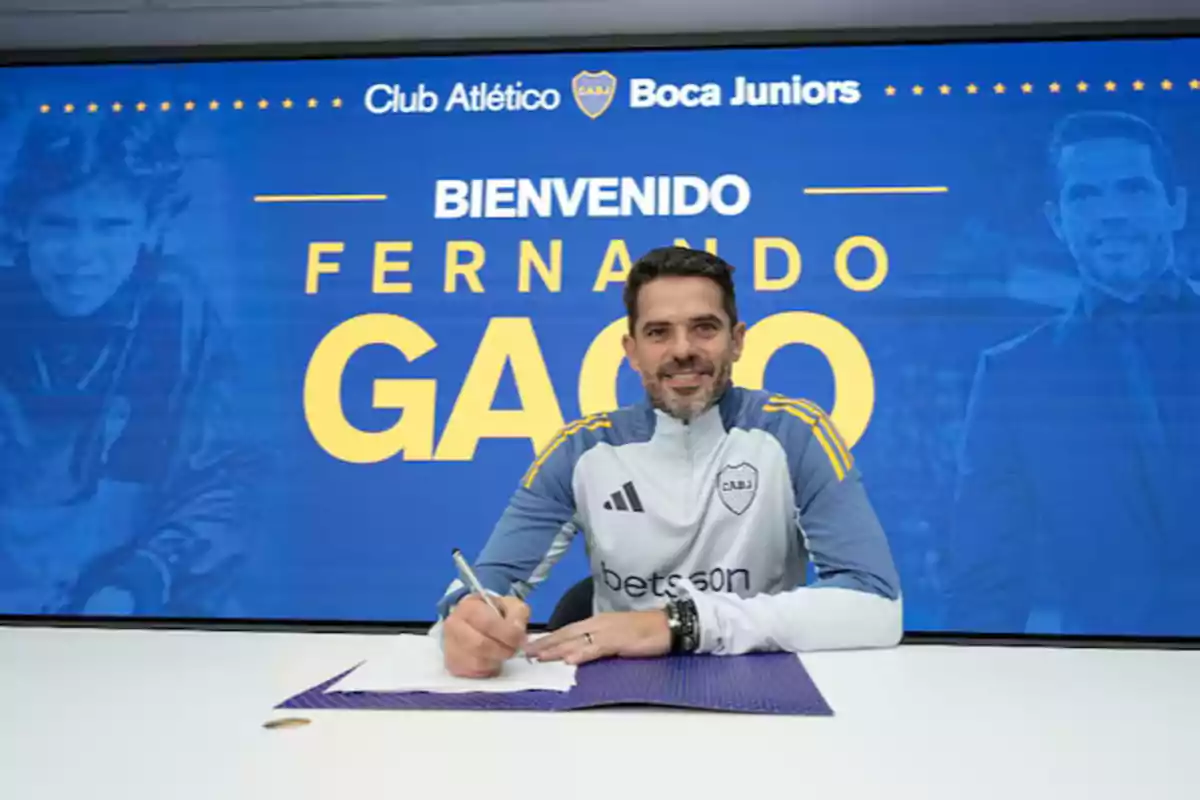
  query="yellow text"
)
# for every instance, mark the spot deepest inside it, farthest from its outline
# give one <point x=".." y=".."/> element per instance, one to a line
<point x="776" y="264"/>
<point x="511" y="344"/>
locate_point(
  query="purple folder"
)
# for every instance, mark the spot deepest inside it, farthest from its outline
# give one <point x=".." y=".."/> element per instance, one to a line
<point x="762" y="683"/>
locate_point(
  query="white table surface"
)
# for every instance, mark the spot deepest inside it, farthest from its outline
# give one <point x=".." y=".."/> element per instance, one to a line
<point x="176" y="715"/>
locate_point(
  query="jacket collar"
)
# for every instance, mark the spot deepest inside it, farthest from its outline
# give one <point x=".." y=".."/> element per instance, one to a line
<point x="709" y="425"/>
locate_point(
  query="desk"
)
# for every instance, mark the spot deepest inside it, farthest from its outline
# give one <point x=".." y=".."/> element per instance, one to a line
<point x="177" y="715"/>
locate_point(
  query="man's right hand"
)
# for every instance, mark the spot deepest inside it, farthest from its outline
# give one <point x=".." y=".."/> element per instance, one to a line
<point x="476" y="641"/>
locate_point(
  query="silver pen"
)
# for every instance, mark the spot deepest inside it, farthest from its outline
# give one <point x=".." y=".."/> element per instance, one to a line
<point x="468" y="577"/>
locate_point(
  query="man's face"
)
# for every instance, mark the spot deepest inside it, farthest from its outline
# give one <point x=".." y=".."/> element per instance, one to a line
<point x="83" y="245"/>
<point x="1114" y="215"/>
<point x="683" y="346"/>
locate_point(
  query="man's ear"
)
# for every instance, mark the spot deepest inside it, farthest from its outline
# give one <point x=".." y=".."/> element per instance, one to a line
<point x="630" y="351"/>
<point x="739" y="339"/>
<point x="1179" y="209"/>
<point x="155" y="230"/>
<point x="1054" y="217"/>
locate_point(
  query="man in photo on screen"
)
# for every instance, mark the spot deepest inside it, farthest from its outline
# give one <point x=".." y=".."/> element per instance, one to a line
<point x="1079" y="467"/>
<point x="121" y="471"/>
<point x="702" y="508"/>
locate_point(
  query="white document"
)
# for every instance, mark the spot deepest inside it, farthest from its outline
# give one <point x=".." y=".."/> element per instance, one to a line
<point x="413" y="663"/>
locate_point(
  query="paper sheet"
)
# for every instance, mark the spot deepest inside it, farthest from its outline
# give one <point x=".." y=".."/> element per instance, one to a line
<point x="413" y="663"/>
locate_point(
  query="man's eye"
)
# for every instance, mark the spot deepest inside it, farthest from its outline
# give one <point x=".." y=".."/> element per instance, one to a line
<point x="1135" y="187"/>
<point x="55" y="223"/>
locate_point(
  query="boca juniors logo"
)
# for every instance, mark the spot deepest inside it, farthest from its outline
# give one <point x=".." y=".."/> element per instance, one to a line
<point x="737" y="484"/>
<point x="594" y="91"/>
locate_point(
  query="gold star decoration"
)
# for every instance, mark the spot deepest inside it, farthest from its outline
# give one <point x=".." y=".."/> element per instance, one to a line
<point x="287" y="102"/>
<point x="1055" y="87"/>
<point x="189" y="106"/>
<point x="140" y="106"/>
<point x="93" y="108"/>
<point x="999" y="88"/>
<point x="263" y="103"/>
<point x="1110" y="86"/>
<point x="944" y="89"/>
<point x="165" y="105"/>
<point x="918" y="90"/>
<point x="890" y="91"/>
<point x="1082" y="86"/>
<point x="239" y="105"/>
<point x="1194" y="84"/>
<point x="213" y="105"/>
<point x="69" y="108"/>
<point x="972" y="89"/>
<point x="312" y="102"/>
<point x="337" y="102"/>
<point x="116" y="107"/>
<point x="45" y="109"/>
<point x="1167" y="85"/>
<point x="1139" y="85"/>
<point x="1027" y="88"/>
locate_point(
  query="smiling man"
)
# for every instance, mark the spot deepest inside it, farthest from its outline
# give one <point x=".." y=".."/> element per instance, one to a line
<point x="1075" y="510"/>
<point x="701" y="508"/>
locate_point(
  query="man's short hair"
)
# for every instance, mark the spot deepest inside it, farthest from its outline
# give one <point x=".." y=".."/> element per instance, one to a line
<point x="679" y="262"/>
<point x="1087" y="126"/>
<point x="62" y="152"/>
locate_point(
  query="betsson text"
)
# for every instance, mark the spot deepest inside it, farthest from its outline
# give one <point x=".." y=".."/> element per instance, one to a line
<point x="385" y="98"/>
<point x="648" y="93"/>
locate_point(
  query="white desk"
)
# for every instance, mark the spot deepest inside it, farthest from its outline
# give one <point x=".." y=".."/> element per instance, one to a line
<point x="167" y="715"/>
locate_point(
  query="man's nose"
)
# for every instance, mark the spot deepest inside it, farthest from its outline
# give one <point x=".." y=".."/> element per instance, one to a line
<point x="681" y="346"/>
<point x="1111" y="208"/>
<point x="76" y="244"/>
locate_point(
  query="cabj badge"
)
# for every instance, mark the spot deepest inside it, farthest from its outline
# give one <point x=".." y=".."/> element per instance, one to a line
<point x="594" y="91"/>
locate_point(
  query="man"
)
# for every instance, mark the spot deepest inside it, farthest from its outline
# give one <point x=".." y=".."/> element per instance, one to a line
<point x="1074" y="511"/>
<point x="700" y="508"/>
<point x="121" y="472"/>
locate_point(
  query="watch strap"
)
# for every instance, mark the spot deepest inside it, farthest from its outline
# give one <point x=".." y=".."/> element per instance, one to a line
<point x="683" y="622"/>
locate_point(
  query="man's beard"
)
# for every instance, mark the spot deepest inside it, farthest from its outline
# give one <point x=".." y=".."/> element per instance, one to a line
<point x="1133" y="284"/>
<point x="688" y="408"/>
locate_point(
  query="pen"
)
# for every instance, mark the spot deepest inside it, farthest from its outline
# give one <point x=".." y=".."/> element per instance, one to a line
<point x="468" y="576"/>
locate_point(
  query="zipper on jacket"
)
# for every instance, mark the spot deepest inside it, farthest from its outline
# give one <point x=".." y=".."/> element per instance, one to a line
<point x="687" y="439"/>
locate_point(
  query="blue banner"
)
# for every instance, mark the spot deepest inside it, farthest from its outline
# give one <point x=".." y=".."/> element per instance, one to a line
<point x="280" y="334"/>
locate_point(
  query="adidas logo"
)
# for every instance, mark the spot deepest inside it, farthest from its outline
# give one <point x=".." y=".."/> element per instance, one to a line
<point x="625" y="499"/>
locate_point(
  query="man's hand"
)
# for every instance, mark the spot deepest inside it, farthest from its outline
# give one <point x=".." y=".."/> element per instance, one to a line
<point x="476" y="642"/>
<point x="632" y="634"/>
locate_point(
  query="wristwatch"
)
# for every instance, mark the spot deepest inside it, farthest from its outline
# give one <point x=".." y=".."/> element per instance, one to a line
<point x="683" y="623"/>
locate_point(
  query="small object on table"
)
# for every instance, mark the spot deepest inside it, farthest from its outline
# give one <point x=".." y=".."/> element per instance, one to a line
<point x="287" y="722"/>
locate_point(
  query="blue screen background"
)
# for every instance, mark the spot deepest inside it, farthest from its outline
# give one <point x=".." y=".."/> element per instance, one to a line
<point x="1056" y="501"/>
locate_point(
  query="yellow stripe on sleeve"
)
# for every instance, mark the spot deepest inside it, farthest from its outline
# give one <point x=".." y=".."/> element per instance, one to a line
<point x="835" y="459"/>
<point x="825" y="422"/>
<point x="586" y="424"/>
<point x="830" y="430"/>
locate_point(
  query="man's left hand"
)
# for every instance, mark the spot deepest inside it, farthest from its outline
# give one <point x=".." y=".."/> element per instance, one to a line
<point x="632" y="634"/>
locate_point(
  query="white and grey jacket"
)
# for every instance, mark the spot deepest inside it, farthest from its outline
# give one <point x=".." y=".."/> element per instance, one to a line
<point x="731" y="508"/>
